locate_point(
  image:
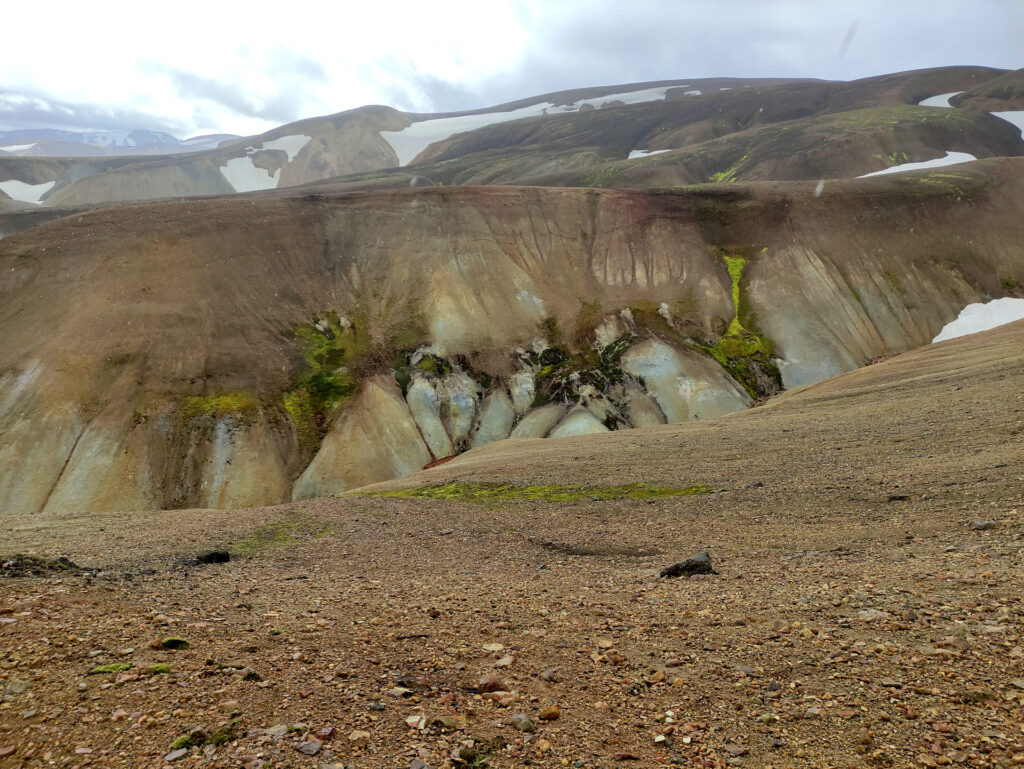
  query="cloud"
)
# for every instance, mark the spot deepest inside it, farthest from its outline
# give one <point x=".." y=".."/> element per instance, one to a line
<point x="243" y="73"/>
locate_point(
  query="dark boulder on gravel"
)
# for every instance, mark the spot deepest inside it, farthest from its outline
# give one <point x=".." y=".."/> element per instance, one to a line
<point x="695" y="564"/>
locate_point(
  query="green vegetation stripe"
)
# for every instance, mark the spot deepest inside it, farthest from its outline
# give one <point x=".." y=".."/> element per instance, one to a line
<point x="458" y="491"/>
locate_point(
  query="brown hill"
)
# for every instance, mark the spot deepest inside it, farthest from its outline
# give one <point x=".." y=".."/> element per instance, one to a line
<point x="197" y="353"/>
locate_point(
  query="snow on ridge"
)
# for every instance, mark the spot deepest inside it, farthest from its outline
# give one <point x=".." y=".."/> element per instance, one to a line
<point x="412" y="140"/>
<point x="244" y="176"/>
<point x="292" y="145"/>
<point x="634" y="154"/>
<point x="981" y="317"/>
<point x="950" y="159"/>
<point x="1016" y="117"/>
<point x="941" y="100"/>
<point x="26" y="193"/>
<point x="17" y="147"/>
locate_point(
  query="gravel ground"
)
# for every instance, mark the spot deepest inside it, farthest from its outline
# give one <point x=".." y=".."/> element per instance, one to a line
<point x="867" y="533"/>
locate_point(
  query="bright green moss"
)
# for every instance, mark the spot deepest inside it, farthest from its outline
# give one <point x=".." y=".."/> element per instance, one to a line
<point x="238" y="404"/>
<point x="459" y="491"/>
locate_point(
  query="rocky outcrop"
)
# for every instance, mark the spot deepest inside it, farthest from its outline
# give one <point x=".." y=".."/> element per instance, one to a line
<point x="148" y="353"/>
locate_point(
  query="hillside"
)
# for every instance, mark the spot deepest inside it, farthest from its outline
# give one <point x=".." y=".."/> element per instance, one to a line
<point x="242" y="351"/>
<point x="866" y="609"/>
<point x="717" y="129"/>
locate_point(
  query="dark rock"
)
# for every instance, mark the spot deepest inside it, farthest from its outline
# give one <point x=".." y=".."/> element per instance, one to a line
<point x="695" y="564"/>
<point x="213" y="556"/>
<point x="309" y="747"/>
<point x="898" y="497"/>
<point x="523" y="723"/>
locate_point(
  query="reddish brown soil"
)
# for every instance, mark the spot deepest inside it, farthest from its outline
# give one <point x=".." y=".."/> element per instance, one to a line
<point x="857" y="619"/>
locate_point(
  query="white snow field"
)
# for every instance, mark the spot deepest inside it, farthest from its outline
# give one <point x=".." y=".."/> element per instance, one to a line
<point x="244" y="176"/>
<point x="1015" y="117"/>
<point x="942" y="100"/>
<point x="951" y="159"/>
<point x="17" y="147"/>
<point x="981" y="317"/>
<point x="26" y="193"/>
<point x="412" y="140"/>
<point x="634" y="154"/>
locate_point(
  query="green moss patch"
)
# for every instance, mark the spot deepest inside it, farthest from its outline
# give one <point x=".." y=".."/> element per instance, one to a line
<point x="281" y="533"/>
<point x="239" y="404"/>
<point x="747" y="356"/>
<point x="113" y="667"/>
<point x="459" y="491"/>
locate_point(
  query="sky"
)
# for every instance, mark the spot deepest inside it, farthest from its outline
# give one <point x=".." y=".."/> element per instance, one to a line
<point x="192" y="69"/>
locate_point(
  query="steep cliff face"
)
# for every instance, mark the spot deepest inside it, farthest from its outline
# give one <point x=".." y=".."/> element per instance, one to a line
<point x="248" y="351"/>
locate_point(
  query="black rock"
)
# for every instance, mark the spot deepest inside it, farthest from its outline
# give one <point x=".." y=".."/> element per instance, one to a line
<point x="898" y="497"/>
<point x="695" y="564"/>
<point x="214" y="556"/>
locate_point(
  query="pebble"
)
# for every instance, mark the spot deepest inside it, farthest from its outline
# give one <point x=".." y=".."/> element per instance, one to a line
<point x="176" y="755"/>
<point x="358" y="738"/>
<point x="523" y="723"/>
<point x="309" y="747"/>
<point x="978" y="525"/>
<point x="550" y="713"/>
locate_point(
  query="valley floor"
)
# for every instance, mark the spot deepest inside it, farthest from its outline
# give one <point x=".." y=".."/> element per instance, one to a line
<point x="859" y="617"/>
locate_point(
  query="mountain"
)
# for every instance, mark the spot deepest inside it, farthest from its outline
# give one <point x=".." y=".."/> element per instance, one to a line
<point x="48" y="142"/>
<point x="638" y="135"/>
<point x="398" y="289"/>
<point x="247" y="350"/>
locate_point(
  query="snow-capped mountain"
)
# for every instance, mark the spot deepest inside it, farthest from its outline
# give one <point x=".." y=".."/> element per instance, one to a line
<point x="55" y="142"/>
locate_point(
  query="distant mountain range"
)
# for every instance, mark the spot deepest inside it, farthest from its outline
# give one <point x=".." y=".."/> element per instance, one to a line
<point x="53" y="142"/>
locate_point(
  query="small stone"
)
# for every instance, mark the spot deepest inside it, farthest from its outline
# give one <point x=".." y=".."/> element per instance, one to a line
<point x="505" y="662"/>
<point x="870" y="615"/>
<point x="7" y="751"/>
<point x="978" y="525"/>
<point x="550" y="713"/>
<point x="523" y="723"/>
<point x="550" y="676"/>
<point x="277" y="730"/>
<point x="695" y="564"/>
<point x="491" y="683"/>
<point x="494" y="648"/>
<point x="309" y="747"/>
<point x="358" y="738"/>
<point x="736" y="750"/>
<point x="417" y="764"/>
<point x="657" y="677"/>
<point x="176" y="755"/>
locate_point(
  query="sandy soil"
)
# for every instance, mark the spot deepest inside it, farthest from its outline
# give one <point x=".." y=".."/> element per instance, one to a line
<point x="857" y="619"/>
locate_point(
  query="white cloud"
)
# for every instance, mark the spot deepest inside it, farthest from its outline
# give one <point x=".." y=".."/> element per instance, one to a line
<point x="223" y="67"/>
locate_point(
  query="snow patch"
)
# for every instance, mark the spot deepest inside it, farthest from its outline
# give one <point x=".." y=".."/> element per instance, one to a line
<point x="951" y="159"/>
<point x="290" y="144"/>
<point x="942" y="100"/>
<point x="412" y="140"/>
<point x="644" y="153"/>
<point x="17" y="147"/>
<point x="981" y="317"/>
<point x="26" y="193"/>
<point x="244" y="176"/>
<point x="1016" y="117"/>
<point x="694" y="93"/>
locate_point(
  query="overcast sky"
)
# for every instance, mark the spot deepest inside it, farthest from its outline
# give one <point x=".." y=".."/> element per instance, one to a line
<point x="210" y="67"/>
